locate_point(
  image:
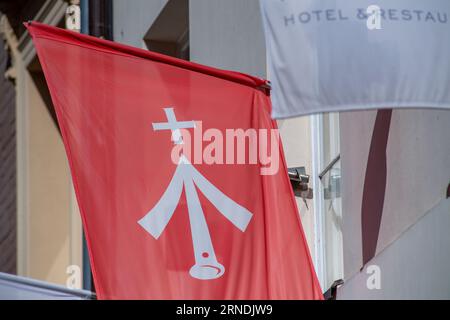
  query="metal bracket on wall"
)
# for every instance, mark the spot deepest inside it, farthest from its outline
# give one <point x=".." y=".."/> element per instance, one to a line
<point x="299" y="182"/>
<point x="331" y="293"/>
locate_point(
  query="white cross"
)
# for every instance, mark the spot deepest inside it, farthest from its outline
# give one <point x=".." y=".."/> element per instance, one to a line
<point x="173" y="125"/>
<point x="187" y="178"/>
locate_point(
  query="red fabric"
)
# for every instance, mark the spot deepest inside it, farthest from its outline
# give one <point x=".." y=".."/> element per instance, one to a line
<point x="106" y="97"/>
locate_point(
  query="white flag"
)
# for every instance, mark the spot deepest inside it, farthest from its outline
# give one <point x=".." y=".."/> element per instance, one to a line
<point x="339" y="55"/>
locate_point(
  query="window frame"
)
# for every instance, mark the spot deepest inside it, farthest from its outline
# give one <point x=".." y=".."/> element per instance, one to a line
<point x="319" y="169"/>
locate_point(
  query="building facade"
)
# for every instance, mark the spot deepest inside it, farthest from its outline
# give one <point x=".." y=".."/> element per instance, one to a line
<point x="48" y="228"/>
<point x="377" y="213"/>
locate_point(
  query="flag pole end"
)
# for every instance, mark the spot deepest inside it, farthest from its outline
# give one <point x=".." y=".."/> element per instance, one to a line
<point x="266" y="87"/>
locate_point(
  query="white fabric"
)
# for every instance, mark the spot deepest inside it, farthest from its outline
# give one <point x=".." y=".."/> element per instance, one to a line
<point x="14" y="287"/>
<point x="323" y="57"/>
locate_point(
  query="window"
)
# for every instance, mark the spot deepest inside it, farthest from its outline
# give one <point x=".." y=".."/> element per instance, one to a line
<point x="169" y="34"/>
<point x="327" y="198"/>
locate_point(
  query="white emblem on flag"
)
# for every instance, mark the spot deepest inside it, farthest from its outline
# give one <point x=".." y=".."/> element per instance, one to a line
<point x="206" y="266"/>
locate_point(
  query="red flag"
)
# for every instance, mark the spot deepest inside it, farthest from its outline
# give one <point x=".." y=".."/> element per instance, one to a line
<point x="172" y="209"/>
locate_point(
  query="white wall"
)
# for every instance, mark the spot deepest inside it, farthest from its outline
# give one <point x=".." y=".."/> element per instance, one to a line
<point x="415" y="266"/>
<point x="418" y="173"/>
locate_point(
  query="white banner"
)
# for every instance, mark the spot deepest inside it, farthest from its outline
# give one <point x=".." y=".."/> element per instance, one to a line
<point x="337" y="55"/>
